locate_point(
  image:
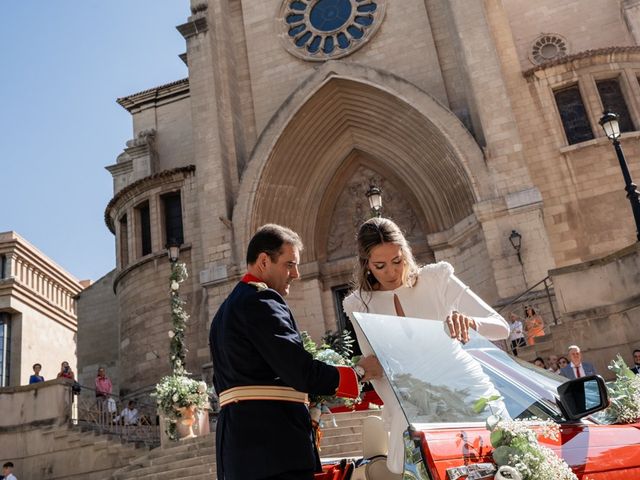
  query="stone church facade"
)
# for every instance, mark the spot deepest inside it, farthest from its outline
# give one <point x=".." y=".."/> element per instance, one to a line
<point x="475" y="117"/>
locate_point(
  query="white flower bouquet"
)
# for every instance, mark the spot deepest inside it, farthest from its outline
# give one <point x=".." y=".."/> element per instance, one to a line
<point x="518" y="454"/>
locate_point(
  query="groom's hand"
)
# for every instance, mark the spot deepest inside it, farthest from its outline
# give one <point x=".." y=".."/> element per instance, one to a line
<point x="372" y="368"/>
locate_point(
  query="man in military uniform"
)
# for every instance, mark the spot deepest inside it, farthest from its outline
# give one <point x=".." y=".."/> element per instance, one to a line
<point x="263" y="373"/>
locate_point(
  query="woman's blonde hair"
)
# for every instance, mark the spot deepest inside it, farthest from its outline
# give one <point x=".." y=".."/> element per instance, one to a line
<point x="372" y="233"/>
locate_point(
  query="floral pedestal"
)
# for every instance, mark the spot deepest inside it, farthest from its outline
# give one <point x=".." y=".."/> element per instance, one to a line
<point x="185" y="424"/>
<point x="199" y="427"/>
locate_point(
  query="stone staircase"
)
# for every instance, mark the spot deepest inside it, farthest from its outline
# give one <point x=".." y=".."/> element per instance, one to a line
<point x="345" y="439"/>
<point x="189" y="459"/>
<point x="194" y="459"/>
<point x="70" y="453"/>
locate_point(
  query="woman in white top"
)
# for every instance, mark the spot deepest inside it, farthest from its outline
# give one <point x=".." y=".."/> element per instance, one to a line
<point x="389" y="282"/>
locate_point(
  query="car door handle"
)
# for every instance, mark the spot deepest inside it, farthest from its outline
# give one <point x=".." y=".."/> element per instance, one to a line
<point x="475" y="471"/>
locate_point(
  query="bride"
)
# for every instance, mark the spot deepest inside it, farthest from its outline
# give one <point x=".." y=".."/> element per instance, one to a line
<point x="388" y="281"/>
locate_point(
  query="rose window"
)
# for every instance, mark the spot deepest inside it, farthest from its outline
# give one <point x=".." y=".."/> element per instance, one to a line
<point x="548" y="47"/>
<point x="324" y="29"/>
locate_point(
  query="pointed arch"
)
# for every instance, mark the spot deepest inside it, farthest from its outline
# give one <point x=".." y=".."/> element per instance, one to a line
<point x="345" y="107"/>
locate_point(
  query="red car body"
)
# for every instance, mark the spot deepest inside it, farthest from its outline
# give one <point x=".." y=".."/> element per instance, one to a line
<point x="405" y="347"/>
<point x="594" y="452"/>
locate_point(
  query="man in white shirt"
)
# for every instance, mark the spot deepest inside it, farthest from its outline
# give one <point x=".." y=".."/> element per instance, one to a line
<point x="516" y="333"/>
<point x="7" y="471"/>
<point x="577" y="368"/>
<point x="129" y="415"/>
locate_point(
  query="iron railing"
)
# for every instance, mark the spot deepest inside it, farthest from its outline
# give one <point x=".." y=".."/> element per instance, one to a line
<point x="527" y="296"/>
<point x="104" y="415"/>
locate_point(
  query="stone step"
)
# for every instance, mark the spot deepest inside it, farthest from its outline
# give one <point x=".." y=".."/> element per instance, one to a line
<point x="343" y="450"/>
<point x="179" y="456"/>
<point x="337" y="432"/>
<point x="178" y="471"/>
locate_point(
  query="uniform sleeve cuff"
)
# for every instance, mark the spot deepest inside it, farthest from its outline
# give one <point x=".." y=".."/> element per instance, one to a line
<point x="348" y="386"/>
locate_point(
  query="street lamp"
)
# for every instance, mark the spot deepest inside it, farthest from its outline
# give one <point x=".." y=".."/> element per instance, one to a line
<point x="611" y="127"/>
<point x="374" y="195"/>
<point x="173" y="250"/>
<point x="516" y="242"/>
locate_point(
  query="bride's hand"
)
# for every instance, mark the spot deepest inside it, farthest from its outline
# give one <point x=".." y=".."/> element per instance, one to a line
<point x="459" y="325"/>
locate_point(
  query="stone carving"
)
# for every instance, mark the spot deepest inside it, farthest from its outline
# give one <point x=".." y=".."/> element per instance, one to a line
<point x="352" y="208"/>
<point x="198" y="7"/>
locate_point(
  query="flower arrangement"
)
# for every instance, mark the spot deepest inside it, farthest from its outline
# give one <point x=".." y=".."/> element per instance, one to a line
<point x="624" y="393"/>
<point x="177" y="392"/>
<point x="179" y="317"/>
<point x="337" y="350"/>
<point x="517" y="452"/>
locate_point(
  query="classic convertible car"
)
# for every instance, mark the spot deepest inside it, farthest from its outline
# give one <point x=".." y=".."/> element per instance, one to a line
<point x="435" y="381"/>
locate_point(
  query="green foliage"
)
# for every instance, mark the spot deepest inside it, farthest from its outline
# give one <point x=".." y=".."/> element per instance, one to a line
<point x="484" y="402"/>
<point x="336" y="350"/>
<point x="340" y="342"/>
<point x="516" y="448"/>
<point x="177" y="390"/>
<point x="179" y="317"/>
<point x="624" y="393"/>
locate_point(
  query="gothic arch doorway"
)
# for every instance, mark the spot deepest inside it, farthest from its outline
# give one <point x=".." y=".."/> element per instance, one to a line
<point x="329" y="146"/>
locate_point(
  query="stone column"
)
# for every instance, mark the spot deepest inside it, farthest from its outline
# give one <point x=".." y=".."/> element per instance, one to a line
<point x="631" y="12"/>
<point x="490" y="64"/>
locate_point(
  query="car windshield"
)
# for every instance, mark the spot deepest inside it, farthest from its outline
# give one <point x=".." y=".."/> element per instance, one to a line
<point x="437" y="379"/>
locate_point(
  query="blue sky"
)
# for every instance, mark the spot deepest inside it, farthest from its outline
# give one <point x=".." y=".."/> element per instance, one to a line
<point x="63" y="65"/>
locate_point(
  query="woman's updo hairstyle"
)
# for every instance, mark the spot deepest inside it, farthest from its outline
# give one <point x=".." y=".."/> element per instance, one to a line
<point x="372" y="233"/>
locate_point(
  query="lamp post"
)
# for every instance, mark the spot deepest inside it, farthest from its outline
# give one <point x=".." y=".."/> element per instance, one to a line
<point x="516" y="242"/>
<point x="173" y="250"/>
<point x="611" y="127"/>
<point x="374" y="195"/>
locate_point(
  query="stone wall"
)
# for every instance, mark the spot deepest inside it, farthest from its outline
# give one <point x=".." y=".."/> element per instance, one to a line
<point x="39" y="340"/>
<point x="529" y="20"/>
<point x="98" y="333"/>
<point x="37" y="437"/>
<point x="599" y="307"/>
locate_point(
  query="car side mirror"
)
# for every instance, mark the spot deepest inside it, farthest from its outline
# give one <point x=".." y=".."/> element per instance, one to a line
<point x="583" y="396"/>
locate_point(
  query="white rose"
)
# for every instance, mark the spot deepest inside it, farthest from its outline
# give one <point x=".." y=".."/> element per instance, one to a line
<point x="175" y="397"/>
<point x="171" y="334"/>
<point x="175" y="286"/>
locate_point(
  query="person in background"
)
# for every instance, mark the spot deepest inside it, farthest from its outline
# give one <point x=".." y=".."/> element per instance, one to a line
<point x="636" y="361"/>
<point x="516" y="333"/>
<point x="103" y="391"/>
<point x="577" y="368"/>
<point x="36" y="377"/>
<point x="562" y="362"/>
<point x="552" y="363"/>
<point x="539" y="362"/>
<point x="533" y="324"/>
<point x="7" y="471"/>
<point x="66" y="372"/>
<point x="129" y="414"/>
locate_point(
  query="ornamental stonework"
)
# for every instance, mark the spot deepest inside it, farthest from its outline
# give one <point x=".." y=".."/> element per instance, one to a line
<point x="352" y="209"/>
<point x="319" y="30"/>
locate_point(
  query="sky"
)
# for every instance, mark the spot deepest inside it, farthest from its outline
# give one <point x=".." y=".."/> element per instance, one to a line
<point x="62" y="65"/>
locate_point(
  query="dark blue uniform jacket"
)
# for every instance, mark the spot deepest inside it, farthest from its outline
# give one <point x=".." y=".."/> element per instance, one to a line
<point x="254" y="341"/>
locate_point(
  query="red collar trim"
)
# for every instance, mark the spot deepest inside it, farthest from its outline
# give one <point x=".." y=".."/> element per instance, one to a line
<point x="250" y="278"/>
